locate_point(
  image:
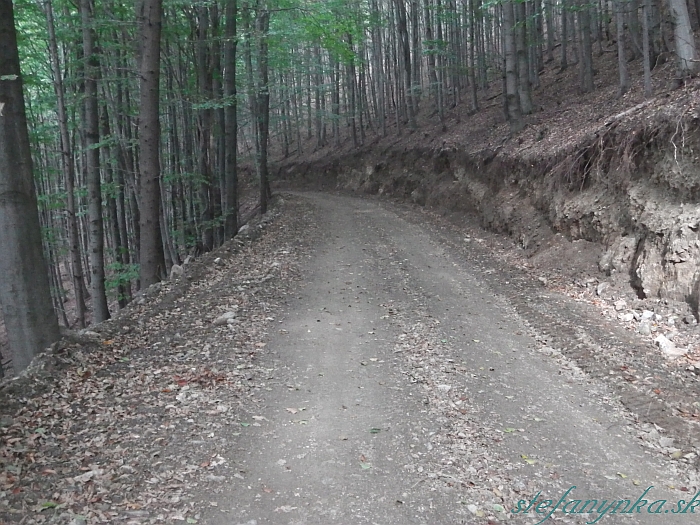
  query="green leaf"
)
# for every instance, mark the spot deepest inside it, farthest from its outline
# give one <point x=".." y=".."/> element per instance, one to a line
<point x="375" y="430"/>
<point x="508" y="430"/>
<point x="366" y="466"/>
<point x="50" y="505"/>
<point x="245" y="424"/>
<point x="9" y="77"/>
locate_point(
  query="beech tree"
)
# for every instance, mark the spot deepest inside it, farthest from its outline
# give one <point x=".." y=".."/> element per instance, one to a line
<point x="152" y="258"/>
<point x="24" y="287"/>
<point x="100" y="311"/>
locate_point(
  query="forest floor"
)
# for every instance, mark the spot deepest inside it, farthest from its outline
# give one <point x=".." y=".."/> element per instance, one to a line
<point x="350" y="361"/>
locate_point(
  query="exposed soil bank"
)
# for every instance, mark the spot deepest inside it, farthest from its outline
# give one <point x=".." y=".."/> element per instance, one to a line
<point x="631" y="186"/>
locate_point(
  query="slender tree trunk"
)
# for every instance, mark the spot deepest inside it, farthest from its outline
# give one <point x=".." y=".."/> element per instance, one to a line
<point x="335" y="102"/>
<point x="549" y="21"/>
<point x="205" y="133"/>
<point x="231" y="115"/>
<point x="152" y="259"/>
<point x="218" y="137"/>
<point x="100" y="310"/>
<point x="30" y="319"/>
<point x="524" y="89"/>
<point x="564" y="35"/>
<point x="123" y="296"/>
<point x="586" y="64"/>
<point x="633" y="27"/>
<point x="68" y="166"/>
<point x="646" y="13"/>
<point x="318" y="80"/>
<point x="263" y="107"/>
<point x="621" y="58"/>
<point x="514" y="113"/>
<point x="684" y="39"/>
<point x="472" y="57"/>
<point x="406" y="55"/>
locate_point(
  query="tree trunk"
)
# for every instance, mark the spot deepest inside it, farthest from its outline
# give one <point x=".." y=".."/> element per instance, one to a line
<point x="514" y="113"/>
<point x="263" y="107"/>
<point x="549" y="21"/>
<point x="68" y="166"/>
<point x="152" y="259"/>
<point x="632" y="13"/>
<point x="231" y="115"/>
<point x="684" y="40"/>
<point x="646" y="13"/>
<point x="524" y="90"/>
<point x="204" y="156"/>
<point x="100" y="310"/>
<point x="586" y="63"/>
<point x="123" y="293"/>
<point x="30" y="320"/>
<point x="621" y="59"/>
<point x="406" y="55"/>
<point x="564" y="36"/>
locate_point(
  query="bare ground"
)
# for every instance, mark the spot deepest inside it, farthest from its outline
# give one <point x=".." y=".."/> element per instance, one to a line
<point x="379" y="368"/>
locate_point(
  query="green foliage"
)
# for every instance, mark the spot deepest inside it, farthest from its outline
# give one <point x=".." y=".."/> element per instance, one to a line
<point x="119" y="274"/>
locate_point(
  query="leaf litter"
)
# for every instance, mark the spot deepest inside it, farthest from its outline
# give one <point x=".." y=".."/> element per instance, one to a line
<point x="125" y="422"/>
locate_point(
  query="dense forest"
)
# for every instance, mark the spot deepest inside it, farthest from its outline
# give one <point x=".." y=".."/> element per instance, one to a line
<point x="141" y="118"/>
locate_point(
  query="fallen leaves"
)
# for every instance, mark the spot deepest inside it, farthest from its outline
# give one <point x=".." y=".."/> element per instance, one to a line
<point x="128" y="420"/>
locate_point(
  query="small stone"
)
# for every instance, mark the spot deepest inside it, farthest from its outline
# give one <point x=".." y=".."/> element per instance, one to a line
<point x="243" y="229"/>
<point x="690" y="319"/>
<point x="214" y="478"/>
<point x="647" y="314"/>
<point x="224" y="319"/>
<point x="218" y="261"/>
<point x="668" y="347"/>
<point x="628" y="317"/>
<point x="601" y="288"/>
<point x="644" y="328"/>
<point x="543" y="280"/>
<point x="176" y="272"/>
<point x="666" y="442"/>
<point x="620" y="305"/>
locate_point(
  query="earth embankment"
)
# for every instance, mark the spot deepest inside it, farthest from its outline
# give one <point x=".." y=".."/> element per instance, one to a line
<point x="629" y="184"/>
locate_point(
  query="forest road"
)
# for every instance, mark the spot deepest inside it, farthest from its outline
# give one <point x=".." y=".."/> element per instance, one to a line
<point x="403" y="390"/>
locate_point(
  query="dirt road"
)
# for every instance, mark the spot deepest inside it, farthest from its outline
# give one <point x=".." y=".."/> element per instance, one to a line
<point x="403" y="390"/>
